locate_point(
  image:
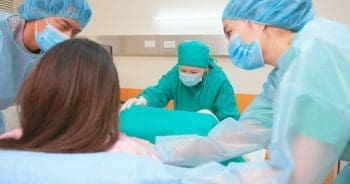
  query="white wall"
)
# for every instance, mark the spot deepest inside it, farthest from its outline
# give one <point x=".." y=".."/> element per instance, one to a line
<point x="139" y="17"/>
<point x="140" y="72"/>
<point x="333" y="9"/>
<point x="154" y="17"/>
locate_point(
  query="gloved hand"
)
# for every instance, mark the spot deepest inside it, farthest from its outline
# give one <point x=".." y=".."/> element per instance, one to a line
<point x="133" y="101"/>
<point x="207" y="111"/>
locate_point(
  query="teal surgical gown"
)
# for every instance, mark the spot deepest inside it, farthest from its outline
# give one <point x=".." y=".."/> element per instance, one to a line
<point x="15" y="64"/>
<point x="302" y="116"/>
<point x="214" y="93"/>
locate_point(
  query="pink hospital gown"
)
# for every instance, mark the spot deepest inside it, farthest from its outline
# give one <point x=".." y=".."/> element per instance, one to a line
<point x="124" y="144"/>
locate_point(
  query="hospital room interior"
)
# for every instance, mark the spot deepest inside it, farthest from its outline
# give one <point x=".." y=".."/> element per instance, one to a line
<point x="182" y="125"/>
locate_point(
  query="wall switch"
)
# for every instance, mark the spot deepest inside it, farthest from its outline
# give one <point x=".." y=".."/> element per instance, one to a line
<point x="169" y="44"/>
<point x="150" y="44"/>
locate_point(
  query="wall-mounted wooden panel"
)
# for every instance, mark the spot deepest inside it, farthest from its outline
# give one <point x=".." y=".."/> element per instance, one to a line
<point x="135" y="45"/>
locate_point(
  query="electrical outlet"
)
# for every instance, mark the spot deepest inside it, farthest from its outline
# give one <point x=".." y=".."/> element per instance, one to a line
<point x="169" y="44"/>
<point x="150" y="44"/>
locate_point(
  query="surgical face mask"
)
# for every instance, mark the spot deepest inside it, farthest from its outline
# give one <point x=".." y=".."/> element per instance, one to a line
<point x="49" y="37"/>
<point x="245" y="56"/>
<point x="190" y="80"/>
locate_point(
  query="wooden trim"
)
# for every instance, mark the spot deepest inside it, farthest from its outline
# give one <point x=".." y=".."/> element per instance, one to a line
<point x="243" y="100"/>
<point x="127" y="93"/>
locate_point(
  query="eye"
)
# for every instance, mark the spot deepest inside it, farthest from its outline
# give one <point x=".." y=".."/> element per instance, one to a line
<point x="60" y="27"/>
<point x="228" y="34"/>
<point x="64" y="27"/>
<point x="76" y="32"/>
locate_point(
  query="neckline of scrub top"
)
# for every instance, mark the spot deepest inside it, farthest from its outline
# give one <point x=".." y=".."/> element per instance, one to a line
<point x="8" y="29"/>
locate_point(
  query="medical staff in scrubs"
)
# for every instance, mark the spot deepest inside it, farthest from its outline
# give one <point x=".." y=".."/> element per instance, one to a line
<point x="39" y="26"/>
<point x="302" y="114"/>
<point x="194" y="83"/>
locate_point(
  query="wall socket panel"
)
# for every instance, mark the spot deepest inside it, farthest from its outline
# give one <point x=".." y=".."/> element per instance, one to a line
<point x="150" y="44"/>
<point x="158" y="45"/>
<point x="169" y="44"/>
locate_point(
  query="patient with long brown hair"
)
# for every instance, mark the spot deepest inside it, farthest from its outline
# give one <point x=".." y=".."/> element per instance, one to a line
<point x="70" y="104"/>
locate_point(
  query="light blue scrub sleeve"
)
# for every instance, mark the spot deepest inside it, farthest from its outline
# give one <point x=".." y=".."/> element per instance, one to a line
<point x="15" y="63"/>
<point x="260" y="110"/>
<point x="226" y="140"/>
<point x="344" y="175"/>
<point x="229" y="138"/>
<point x="2" y="124"/>
<point x="310" y="117"/>
<point x="310" y="130"/>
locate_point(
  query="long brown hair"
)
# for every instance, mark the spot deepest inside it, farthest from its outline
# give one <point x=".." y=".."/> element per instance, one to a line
<point x="70" y="102"/>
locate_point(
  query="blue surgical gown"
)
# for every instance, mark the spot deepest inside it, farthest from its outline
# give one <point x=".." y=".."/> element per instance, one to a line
<point x="2" y="124"/>
<point x="15" y="63"/>
<point x="302" y="115"/>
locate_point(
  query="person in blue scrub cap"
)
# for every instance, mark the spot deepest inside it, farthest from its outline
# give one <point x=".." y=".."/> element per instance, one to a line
<point x="306" y="98"/>
<point x="40" y="25"/>
<point x="302" y="115"/>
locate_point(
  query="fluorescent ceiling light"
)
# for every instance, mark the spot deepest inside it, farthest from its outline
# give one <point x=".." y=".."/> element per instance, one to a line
<point x="185" y="18"/>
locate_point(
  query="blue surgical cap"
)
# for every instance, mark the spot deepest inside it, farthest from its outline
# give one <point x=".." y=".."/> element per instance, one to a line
<point x="288" y="14"/>
<point x="78" y="10"/>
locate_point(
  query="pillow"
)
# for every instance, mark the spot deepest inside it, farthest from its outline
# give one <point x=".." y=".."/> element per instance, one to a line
<point x="37" y="167"/>
<point x="147" y="122"/>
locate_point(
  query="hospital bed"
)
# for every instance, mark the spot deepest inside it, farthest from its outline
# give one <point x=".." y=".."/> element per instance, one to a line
<point x="34" y="167"/>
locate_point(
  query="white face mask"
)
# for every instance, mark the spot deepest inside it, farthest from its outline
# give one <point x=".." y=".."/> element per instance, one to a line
<point x="190" y="80"/>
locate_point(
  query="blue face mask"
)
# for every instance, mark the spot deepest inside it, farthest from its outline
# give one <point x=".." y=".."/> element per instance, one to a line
<point x="49" y="37"/>
<point x="245" y="56"/>
<point x="190" y="80"/>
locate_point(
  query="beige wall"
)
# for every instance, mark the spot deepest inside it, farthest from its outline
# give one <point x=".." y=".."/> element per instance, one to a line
<point x="155" y="17"/>
<point x="140" y="72"/>
<point x="145" y="17"/>
<point x="333" y="9"/>
<point x="141" y="17"/>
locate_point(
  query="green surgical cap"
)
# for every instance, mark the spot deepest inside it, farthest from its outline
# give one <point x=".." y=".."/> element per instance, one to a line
<point x="193" y="53"/>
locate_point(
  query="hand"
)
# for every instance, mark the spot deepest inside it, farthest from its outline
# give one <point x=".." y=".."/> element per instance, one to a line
<point x="133" y="101"/>
<point x="207" y="111"/>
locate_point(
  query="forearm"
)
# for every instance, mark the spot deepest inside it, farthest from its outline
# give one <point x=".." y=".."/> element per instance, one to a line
<point x="155" y="98"/>
<point x="225" y="141"/>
